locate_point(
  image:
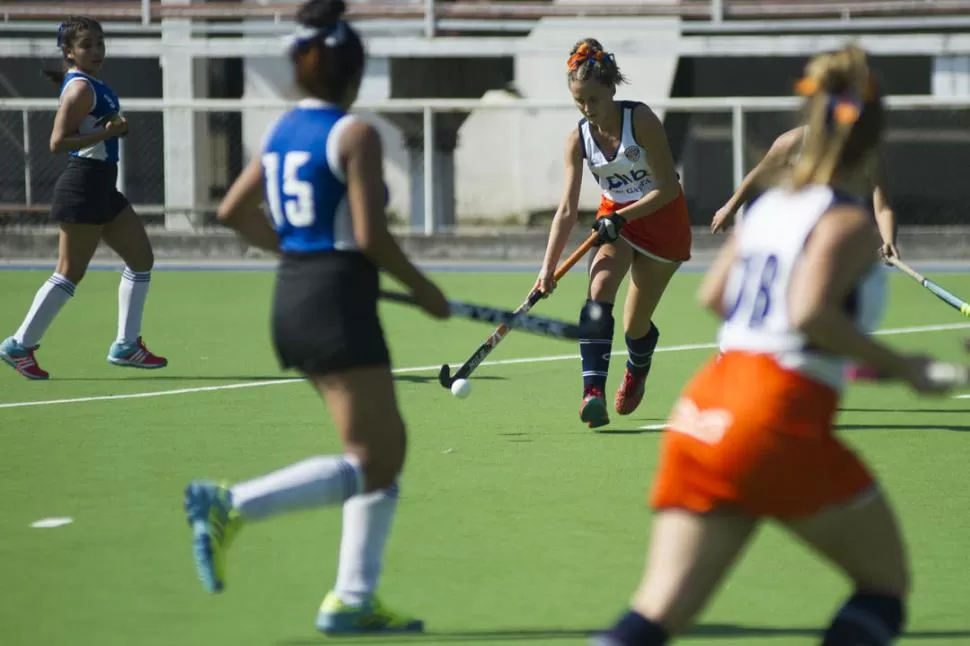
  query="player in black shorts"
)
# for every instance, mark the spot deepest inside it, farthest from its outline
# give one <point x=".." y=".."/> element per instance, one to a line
<point x="88" y="207"/>
<point x="320" y="172"/>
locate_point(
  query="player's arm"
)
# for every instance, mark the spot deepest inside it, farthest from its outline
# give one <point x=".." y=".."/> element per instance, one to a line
<point x="567" y="214"/>
<point x="885" y="217"/>
<point x="841" y="248"/>
<point x="241" y="209"/>
<point x="710" y="295"/>
<point x="75" y="106"/>
<point x="360" y="154"/>
<point x="650" y="134"/>
<point x="775" y="159"/>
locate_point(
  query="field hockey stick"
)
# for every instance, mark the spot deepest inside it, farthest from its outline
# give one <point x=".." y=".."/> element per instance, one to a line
<point x="445" y="378"/>
<point x="961" y="306"/>
<point x="534" y="324"/>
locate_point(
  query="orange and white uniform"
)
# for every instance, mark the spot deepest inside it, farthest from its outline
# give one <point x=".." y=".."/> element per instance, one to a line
<point x="753" y="430"/>
<point x="624" y="178"/>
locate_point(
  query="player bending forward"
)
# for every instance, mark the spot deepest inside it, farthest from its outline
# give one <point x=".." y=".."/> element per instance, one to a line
<point x="752" y="435"/>
<point x="320" y="171"/>
<point x="642" y="224"/>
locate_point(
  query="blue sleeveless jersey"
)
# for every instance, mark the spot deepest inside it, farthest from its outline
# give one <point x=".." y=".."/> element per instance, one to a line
<point x="304" y="183"/>
<point x="106" y="103"/>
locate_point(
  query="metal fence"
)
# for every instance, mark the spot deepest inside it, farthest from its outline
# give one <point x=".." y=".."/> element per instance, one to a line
<point x="495" y="162"/>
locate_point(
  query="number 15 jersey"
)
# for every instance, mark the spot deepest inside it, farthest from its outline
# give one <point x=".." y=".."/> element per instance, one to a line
<point x="771" y="240"/>
<point x="305" y="185"/>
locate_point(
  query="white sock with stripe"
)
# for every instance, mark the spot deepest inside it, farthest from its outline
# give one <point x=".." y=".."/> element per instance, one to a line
<point x="314" y="482"/>
<point x="132" y="294"/>
<point x="366" y="526"/>
<point x="49" y="300"/>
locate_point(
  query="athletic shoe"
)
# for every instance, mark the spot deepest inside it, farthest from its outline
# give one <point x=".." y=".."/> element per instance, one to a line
<point x="134" y="355"/>
<point x="593" y="409"/>
<point x="214" y="523"/>
<point x="630" y="393"/>
<point x="21" y="359"/>
<point x="337" y="617"/>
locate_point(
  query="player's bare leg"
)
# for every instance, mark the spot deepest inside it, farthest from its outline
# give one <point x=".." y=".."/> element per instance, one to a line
<point x="649" y="280"/>
<point x="689" y="555"/>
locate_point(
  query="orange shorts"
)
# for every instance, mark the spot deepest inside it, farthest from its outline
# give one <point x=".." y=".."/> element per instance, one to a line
<point x="664" y="233"/>
<point x="750" y="435"/>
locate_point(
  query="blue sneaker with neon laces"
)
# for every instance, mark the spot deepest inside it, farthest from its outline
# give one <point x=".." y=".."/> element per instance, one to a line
<point x="336" y="617"/>
<point x="214" y="523"/>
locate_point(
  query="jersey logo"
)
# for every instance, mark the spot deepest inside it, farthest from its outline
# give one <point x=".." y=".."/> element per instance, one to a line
<point x="632" y="153"/>
<point x="708" y="426"/>
<point x="625" y="180"/>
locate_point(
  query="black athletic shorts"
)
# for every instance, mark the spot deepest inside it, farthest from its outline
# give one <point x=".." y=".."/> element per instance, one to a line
<point x="86" y="193"/>
<point x="325" y="313"/>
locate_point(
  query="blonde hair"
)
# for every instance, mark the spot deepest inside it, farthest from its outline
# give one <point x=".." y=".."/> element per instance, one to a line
<point x="844" y="114"/>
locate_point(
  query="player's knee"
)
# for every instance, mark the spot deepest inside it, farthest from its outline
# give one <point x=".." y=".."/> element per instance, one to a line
<point x="867" y="619"/>
<point x="143" y="261"/>
<point x="382" y="463"/>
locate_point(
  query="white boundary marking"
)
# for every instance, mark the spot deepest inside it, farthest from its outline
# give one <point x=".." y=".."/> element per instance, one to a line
<point x="502" y="362"/>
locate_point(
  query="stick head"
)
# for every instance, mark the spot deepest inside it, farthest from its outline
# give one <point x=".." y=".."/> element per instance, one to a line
<point x="444" y="376"/>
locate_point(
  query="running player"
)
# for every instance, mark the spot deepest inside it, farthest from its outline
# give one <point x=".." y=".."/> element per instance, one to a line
<point x="797" y="286"/>
<point x="784" y="152"/>
<point x="642" y="224"/>
<point x="320" y="171"/>
<point x="88" y="207"/>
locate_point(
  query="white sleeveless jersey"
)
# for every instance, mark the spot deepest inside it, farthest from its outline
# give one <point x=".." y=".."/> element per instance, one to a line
<point x="623" y="177"/>
<point x="757" y="293"/>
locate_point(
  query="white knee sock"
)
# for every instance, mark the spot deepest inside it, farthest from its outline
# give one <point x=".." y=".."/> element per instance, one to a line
<point x="366" y="525"/>
<point x="49" y="300"/>
<point x="132" y="294"/>
<point x="314" y="482"/>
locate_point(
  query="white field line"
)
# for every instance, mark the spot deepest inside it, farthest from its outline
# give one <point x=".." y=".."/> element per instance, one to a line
<point x="502" y="362"/>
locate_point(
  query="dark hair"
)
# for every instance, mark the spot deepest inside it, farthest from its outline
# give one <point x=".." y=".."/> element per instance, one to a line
<point x="67" y="36"/>
<point x="844" y="114"/>
<point x="327" y="53"/>
<point x="588" y="60"/>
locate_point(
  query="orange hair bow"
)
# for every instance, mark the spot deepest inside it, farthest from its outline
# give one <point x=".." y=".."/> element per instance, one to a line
<point x="846" y="108"/>
<point x="583" y="54"/>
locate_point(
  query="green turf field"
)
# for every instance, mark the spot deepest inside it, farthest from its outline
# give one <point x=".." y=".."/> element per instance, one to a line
<point x="517" y="523"/>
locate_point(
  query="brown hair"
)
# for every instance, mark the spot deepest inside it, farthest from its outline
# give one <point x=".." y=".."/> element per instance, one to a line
<point x="588" y="60"/>
<point x="327" y="53"/>
<point x="68" y="33"/>
<point x="843" y="111"/>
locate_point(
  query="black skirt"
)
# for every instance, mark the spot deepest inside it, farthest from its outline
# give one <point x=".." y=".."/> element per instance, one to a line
<point x="86" y="193"/>
<point x="325" y="313"/>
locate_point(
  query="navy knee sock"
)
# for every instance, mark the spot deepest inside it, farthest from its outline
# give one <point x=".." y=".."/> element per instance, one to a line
<point x="596" y="347"/>
<point x="632" y="629"/>
<point x="866" y="620"/>
<point x="641" y="351"/>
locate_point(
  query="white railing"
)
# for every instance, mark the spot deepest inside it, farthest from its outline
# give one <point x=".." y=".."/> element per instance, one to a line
<point x="736" y="106"/>
<point x="490" y="16"/>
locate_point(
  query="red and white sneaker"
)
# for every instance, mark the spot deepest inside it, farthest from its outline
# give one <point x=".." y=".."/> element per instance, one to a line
<point x="134" y="355"/>
<point x="630" y="393"/>
<point x="21" y="359"/>
<point x="593" y="409"/>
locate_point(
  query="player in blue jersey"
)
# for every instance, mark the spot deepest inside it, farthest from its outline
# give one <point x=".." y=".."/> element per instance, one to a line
<point x="320" y="173"/>
<point x="88" y="207"/>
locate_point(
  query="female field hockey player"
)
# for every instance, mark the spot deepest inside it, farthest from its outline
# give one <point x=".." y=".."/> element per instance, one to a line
<point x="797" y="286"/>
<point x="87" y="206"/>
<point x="783" y="153"/>
<point x="320" y="171"/>
<point x="642" y="224"/>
